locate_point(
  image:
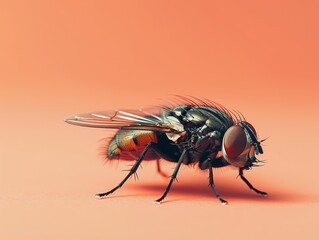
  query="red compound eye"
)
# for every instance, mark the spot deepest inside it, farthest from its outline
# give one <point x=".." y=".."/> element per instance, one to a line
<point x="235" y="141"/>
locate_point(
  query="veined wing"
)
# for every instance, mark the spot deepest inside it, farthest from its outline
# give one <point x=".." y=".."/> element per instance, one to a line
<point x="124" y="119"/>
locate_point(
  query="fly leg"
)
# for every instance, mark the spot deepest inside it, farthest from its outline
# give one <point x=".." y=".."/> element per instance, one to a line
<point x="173" y="177"/>
<point x="241" y="174"/>
<point x="132" y="171"/>
<point x="159" y="170"/>
<point x="211" y="182"/>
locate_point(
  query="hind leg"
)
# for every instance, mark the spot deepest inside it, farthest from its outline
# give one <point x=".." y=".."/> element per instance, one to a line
<point x="131" y="172"/>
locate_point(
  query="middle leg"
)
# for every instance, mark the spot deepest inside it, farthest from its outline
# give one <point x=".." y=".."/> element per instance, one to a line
<point x="159" y="169"/>
<point x="173" y="177"/>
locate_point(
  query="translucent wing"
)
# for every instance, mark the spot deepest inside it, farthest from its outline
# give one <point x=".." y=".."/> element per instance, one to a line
<point x="124" y="119"/>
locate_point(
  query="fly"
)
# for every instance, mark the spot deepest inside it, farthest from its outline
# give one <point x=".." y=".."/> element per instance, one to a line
<point x="198" y="132"/>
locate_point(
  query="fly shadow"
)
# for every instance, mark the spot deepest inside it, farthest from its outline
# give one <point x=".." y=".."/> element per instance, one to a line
<point x="233" y="192"/>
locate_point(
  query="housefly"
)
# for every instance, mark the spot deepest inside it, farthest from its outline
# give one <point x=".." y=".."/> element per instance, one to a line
<point x="197" y="131"/>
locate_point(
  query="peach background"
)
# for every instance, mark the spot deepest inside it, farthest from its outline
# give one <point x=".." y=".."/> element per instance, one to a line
<point x="59" y="58"/>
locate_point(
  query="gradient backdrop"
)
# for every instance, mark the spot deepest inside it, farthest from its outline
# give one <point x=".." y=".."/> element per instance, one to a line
<point x="59" y="58"/>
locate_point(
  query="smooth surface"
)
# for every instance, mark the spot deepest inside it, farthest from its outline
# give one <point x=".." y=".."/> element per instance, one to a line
<point x="60" y="58"/>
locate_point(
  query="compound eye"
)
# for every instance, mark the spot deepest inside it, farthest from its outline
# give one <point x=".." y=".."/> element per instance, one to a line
<point x="235" y="141"/>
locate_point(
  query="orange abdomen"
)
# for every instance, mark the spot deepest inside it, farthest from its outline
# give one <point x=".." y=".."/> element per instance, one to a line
<point x="129" y="141"/>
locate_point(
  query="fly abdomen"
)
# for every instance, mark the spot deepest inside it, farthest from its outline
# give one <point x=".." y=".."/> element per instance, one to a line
<point x="129" y="140"/>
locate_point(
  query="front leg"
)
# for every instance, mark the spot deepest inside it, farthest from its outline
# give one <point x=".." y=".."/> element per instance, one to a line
<point x="216" y="162"/>
<point x="241" y="174"/>
<point x="211" y="182"/>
